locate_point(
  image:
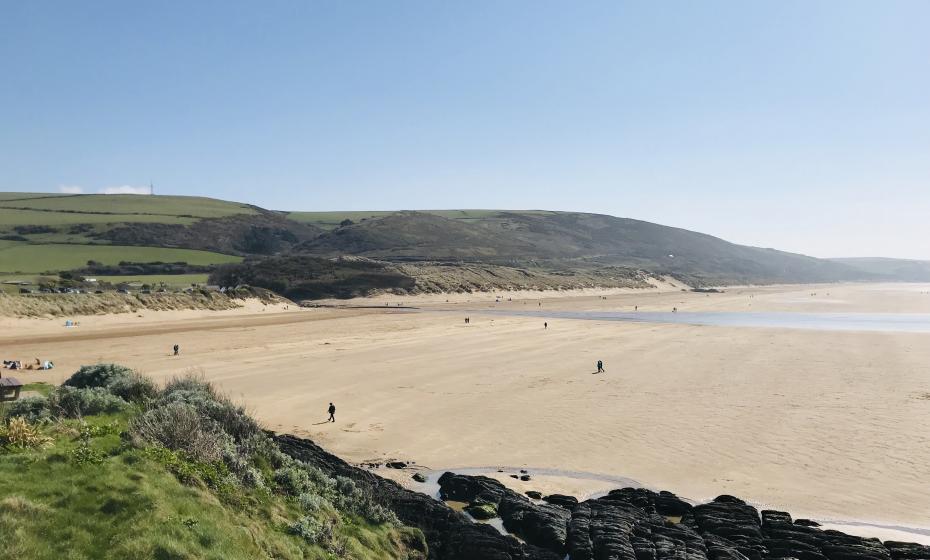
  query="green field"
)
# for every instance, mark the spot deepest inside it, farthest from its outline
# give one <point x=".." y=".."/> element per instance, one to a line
<point x="10" y="217"/>
<point x="25" y="257"/>
<point x="132" y="204"/>
<point x="22" y="195"/>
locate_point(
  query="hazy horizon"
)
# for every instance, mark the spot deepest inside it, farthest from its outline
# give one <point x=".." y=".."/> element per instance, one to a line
<point x="799" y="126"/>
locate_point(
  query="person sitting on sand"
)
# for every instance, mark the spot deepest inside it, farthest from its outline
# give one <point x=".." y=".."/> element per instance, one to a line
<point x="332" y="412"/>
<point x="600" y="366"/>
<point x="177" y="350"/>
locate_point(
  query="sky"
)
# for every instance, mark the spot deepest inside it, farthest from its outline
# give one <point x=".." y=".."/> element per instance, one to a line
<point x="800" y="125"/>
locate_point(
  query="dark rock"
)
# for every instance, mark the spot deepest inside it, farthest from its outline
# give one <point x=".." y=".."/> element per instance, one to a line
<point x="449" y="534"/>
<point x="514" y="476"/>
<point x="533" y="494"/>
<point x="663" y="503"/>
<point x="463" y="488"/>
<point x="907" y="551"/>
<point x="525" y="477"/>
<point x="395" y="464"/>
<point x="542" y="525"/>
<point x="568" y="502"/>
<point x="419" y="477"/>
<point x="806" y="523"/>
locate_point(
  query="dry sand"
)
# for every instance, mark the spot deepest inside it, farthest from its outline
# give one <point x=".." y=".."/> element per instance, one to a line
<point x="826" y="425"/>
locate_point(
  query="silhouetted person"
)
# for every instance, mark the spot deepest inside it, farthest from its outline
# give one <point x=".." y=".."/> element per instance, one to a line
<point x="177" y="350"/>
<point x="600" y="366"/>
<point x="332" y="412"/>
<point x="545" y="325"/>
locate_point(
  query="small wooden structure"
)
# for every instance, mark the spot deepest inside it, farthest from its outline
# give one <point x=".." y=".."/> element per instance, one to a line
<point x="10" y="388"/>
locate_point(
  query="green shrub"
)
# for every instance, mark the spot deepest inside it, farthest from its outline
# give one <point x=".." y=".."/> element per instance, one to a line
<point x="99" y="375"/>
<point x="179" y="426"/>
<point x="313" y="503"/>
<point x="33" y="409"/>
<point x="134" y="388"/>
<point x="74" y="402"/>
<point x="312" y="531"/>
<point x="230" y="418"/>
<point x="293" y="480"/>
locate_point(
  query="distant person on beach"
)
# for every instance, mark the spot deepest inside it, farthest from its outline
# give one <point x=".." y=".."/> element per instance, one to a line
<point x="545" y="325"/>
<point x="600" y="366"/>
<point x="177" y="350"/>
<point x="332" y="412"/>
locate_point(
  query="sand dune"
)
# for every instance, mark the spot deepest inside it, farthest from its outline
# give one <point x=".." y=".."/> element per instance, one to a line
<point x="829" y="425"/>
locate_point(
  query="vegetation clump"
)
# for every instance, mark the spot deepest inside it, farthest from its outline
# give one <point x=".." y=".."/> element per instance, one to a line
<point x="112" y="444"/>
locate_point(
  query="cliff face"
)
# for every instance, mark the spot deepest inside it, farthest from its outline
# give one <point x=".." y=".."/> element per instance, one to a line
<point x="626" y="524"/>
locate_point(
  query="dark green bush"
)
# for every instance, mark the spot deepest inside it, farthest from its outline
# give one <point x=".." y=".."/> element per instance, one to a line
<point x="98" y="375"/>
<point x="134" y="388"/>
<point x="73" y="402"/>
<point x="33" y="409"/>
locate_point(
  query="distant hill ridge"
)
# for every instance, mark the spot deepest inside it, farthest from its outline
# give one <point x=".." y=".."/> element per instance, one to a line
<point x="549" y="240"/>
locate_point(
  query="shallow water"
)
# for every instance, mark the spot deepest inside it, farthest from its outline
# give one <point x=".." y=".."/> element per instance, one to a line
<point x="883" y="322"/>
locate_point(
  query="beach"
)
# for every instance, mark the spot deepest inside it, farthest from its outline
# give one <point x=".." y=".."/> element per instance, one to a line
<point x="827" y="424"/>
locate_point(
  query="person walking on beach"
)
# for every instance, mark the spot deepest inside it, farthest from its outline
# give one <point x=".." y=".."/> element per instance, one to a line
<point x="545" y="326"/>
<point x="177" y="350"/>
<point x="332" y="412"/>
<point x="600" y="366"/>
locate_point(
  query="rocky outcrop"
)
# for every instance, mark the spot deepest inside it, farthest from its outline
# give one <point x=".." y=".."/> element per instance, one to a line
<point x="625" y="524"/>
<point x="449" y="534"/>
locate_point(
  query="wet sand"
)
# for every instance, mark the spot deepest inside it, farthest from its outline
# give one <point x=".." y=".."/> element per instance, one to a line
<point x="824" y="424"/>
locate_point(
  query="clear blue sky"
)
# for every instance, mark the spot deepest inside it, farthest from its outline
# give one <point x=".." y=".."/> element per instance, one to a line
<point x="800" y="125"/>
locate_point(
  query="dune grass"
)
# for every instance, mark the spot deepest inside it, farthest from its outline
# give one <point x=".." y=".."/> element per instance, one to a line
<point x="17" y="257"/>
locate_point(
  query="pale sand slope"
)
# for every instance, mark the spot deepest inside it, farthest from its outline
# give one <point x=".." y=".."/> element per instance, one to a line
<point x="829" y="425"/>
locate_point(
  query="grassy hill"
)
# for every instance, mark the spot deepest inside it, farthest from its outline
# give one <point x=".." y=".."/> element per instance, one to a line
<point x="41" y="233"/>
<point x="111" y="466"/>
<point x="573" y="240"/>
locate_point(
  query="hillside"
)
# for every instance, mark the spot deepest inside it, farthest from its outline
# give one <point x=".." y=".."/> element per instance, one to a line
<point x="50" y="233"/>
<point x="40" y="233"/>
<point x="573" y="240"/>
<point x="890" y="269"/>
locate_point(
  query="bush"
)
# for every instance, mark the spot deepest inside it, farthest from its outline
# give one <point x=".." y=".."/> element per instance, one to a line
<point x="99" y="375"/>
<point x="179" y="427"/>
<point x="230" y="418"/>
<point x="313" y="503"/>
<point x="314" y="532"/>
<point x="19" y="434"/>
<point x="33" y="409"/>
<point x="134" y="388"/>
<point x="75" y="402"/>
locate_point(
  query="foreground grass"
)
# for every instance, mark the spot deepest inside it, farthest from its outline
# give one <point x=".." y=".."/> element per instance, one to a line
<point x="96" y="490"/>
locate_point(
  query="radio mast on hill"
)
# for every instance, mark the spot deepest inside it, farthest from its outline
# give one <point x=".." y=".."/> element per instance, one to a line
<point x="151" y="189"/>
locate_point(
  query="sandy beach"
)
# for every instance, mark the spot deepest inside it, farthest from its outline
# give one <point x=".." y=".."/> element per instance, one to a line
<point x="825" y="424"/>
